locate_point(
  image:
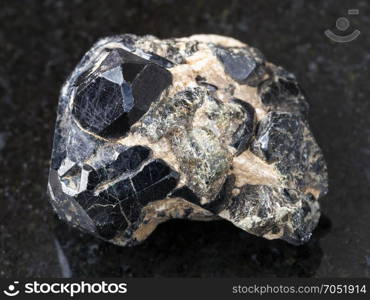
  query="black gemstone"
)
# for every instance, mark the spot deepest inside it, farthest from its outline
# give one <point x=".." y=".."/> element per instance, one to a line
<point x="154" y="182"/>
<point x="282" y="92"/>
<point x="269" y="92"/>
<point x="108" y="220"/>
<point x="160" y="60"/>
<point x="132" y="209"/>
<point x="147" y="88"/>
<point x="94" y="177"/>
<point x="104" y="212"/>
<point x="243" y="136"/>
<point x="119" y="191"/>
<point x="276" y="92"/>
<point x="87" y="199"/>
<point x="118" y="93"/>
<point x="80" y="144"/>
<point x="117" y="128"/>
<point x="126" y="161"/>
<point x="237" y="64"/>
<point x="131" y="70"/>
<point x="202" y="81"/>
<point x="306" y="208"/>
<point x="187" y="194"/>
<point x="124" y="193"/>
<point x="289" y="87"/>
<point x="279" y="135"/>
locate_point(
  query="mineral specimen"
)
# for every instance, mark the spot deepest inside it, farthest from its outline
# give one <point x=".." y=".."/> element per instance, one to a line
<point x="200" y="128"/>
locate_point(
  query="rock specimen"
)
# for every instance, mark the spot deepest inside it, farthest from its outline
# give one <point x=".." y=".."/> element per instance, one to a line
<point x="200" y="128"/>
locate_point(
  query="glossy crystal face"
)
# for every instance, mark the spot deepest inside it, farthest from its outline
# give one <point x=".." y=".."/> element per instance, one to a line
<point x="118" y="93"/>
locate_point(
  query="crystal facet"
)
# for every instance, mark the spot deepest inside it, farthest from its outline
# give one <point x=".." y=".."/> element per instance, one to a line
<point x="118" y="93"/>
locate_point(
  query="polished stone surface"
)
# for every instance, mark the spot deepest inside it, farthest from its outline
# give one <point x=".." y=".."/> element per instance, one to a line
<point x="35" y="63"/>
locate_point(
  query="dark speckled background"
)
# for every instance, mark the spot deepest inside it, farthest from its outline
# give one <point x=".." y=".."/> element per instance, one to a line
<point x="42" y="41"/>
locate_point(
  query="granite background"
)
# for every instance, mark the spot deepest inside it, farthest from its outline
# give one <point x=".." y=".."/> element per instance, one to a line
<point x="40" y="43"/>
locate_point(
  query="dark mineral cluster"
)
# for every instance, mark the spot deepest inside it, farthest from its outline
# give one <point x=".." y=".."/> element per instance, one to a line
<point x="202" y="128"/>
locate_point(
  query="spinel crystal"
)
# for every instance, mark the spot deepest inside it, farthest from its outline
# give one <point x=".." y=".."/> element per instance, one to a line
<point x="200" y="128"/>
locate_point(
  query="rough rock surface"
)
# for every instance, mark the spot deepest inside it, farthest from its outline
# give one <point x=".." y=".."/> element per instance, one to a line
<point x="200" y="128"/>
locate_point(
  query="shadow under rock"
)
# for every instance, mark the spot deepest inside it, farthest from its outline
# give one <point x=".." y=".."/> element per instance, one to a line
<point x="180" y="248"/>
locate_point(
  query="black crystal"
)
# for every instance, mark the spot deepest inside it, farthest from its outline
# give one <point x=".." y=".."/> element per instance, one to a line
<point x="236" y="64"/>
<point x="242" y="137"/>
<point x="126" y="161"/>
<point x="155" y="181"/>
<point x="279" y="135"/>
<point x="106" y="215"/>
<point x="282" y="92"/>
<point x="202" y="81"/>
<point x="187" y="194"/>
<point x="115" y="96"/>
